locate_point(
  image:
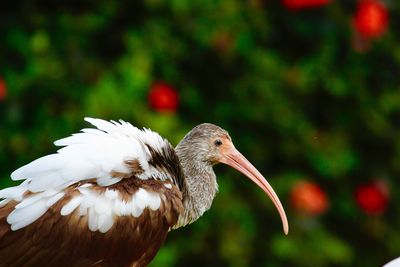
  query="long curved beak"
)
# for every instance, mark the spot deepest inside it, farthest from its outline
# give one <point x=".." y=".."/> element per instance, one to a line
<point x="235" y="159"/>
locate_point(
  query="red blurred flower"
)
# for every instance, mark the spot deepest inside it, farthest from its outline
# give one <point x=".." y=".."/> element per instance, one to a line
<point x="163" y="97"/>
<point x="300" y="4"/>
<point x="371" y="19"/>
<point x="372" y="198"/>
<point x="3" y="89"/>
<point x="308" y="197"/>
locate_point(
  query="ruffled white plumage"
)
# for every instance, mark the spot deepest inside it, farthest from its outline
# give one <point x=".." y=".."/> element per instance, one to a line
<point x="90" y="154"/>
<point x="93" y="153"/>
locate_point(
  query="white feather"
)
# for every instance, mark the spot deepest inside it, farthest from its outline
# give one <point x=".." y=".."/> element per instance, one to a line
<point x="43" y="164"/>
<point x="107" y="180"/>
<point x="101" y="220"/>
<point x="71" y="206"/>
<point x="15" y="192"/>
<point x="52" y="200"/>
<point x="49" y="192"/>
<point x="101" y="206"/>
<point x="84" y="190"/>
<point x="18" y="225"/>
<point x="19" y="218"/>
<point x="29" y="200"/>
<point x="154" y="201"/>
<point x="117" y="207"/>
<point x="136" y="211"/>
<point x="141" y="198"/>
<point x="93" y="220"/>
<point x="106" y="224"/>
<point x="43" y="181"/>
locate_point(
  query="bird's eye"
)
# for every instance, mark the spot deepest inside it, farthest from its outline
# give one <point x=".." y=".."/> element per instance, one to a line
<point x="217" y="142"/>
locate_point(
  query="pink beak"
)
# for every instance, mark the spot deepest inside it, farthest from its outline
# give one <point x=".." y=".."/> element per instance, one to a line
<point x="235" y="159"/>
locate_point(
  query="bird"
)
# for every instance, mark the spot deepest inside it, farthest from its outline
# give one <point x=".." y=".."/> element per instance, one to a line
<point x="393" y="263"/>
<point x="111" y="194"/>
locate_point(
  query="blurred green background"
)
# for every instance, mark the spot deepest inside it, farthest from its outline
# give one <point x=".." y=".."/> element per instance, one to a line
<point x="304" y="93"/>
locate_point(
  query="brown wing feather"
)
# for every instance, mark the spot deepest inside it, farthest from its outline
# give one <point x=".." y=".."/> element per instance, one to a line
<point x="55" y="240"/>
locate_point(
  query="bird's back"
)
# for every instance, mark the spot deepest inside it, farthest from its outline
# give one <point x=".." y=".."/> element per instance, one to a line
<point x="118" y="218"/>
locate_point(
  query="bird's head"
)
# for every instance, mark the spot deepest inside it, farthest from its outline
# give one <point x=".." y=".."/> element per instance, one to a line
<point x="212" y="144"/>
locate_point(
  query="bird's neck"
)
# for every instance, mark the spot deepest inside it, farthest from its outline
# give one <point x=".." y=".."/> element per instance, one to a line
<point x="200" y="186"/>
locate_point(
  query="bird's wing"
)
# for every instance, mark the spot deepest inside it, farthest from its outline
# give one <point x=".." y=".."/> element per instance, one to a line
<point x="140" y="211"/>
<point x="102" y="157"/>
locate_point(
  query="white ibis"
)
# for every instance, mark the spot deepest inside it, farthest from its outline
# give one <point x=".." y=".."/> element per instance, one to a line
<point x="111" y="194"/>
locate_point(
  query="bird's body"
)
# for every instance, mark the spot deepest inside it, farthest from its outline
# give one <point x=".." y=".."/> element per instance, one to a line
<point x="56" y="240"/>
<point x="110" y="196"/>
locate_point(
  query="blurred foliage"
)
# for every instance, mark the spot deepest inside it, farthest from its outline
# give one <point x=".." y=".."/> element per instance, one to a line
<point x="297" y="97"/>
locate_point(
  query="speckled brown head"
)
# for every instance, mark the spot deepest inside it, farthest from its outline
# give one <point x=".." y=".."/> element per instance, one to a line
<point x="211" y="144"/>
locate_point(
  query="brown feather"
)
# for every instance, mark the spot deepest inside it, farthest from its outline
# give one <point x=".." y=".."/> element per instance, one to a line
<point x="55" y="240"/>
